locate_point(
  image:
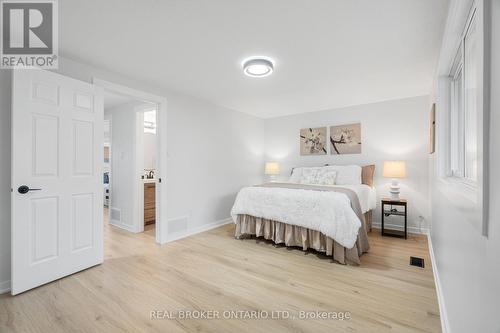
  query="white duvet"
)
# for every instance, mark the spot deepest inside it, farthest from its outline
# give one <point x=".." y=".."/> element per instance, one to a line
<point x="327" y="212"/>
<point x="367" y="195"/>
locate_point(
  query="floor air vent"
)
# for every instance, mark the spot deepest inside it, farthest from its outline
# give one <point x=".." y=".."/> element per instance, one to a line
<point x="419" y="262"/>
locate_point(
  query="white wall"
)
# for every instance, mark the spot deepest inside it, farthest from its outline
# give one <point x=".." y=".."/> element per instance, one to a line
<point x="468" y="263"/>
<point x="391" y="130"/>
<point x="123" y="157"/>
<point x="212" y="152"/>
<point x="4" y="179"/>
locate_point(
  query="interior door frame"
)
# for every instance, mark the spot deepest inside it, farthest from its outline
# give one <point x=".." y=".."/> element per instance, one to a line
<point x="161" y="224"/>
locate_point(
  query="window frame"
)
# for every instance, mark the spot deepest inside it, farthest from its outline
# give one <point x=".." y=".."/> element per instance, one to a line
<point x="459" y="65"/>
<point x="473" y="196"/>
<point x="457" y="162"/>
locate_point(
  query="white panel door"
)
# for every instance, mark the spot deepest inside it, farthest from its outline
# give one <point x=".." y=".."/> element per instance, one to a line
<point x="57" y="135"/>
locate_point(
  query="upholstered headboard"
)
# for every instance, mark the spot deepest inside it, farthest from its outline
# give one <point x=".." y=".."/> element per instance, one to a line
<point x="367" y="173"/>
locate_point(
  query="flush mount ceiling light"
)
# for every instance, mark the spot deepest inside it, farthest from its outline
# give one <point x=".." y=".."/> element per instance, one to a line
<point x="258" y="66"/>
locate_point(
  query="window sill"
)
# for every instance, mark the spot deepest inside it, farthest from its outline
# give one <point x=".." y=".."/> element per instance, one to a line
<point x="466" y="188"/>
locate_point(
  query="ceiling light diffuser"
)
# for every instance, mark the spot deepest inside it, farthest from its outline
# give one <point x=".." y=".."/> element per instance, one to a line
<point x="258" y="66"/>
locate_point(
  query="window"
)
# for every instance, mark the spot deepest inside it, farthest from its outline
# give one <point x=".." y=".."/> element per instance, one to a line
<point x="471" y="51"/>
<point x="464" y="114"/>
<point x="150" y="121"/>
<point x="457" y="119"/>
<point x="463" y="97"/>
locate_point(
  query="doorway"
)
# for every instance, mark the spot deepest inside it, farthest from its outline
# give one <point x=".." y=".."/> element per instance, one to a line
<point x="149" y="166"/>
<point x="129" y="163"/>
<point x="132" y="165"/>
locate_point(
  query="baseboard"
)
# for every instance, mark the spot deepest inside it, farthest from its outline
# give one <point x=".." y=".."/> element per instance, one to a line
<point x="4" y="287"/>
<point x="445" y="326"/>
<point x="411" y="230"/>
<point x="123" y="226"/>
<point x="197" y="230"/>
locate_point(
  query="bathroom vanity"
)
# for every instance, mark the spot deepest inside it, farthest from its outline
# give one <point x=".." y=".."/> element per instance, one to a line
<point x="149" y="201"/>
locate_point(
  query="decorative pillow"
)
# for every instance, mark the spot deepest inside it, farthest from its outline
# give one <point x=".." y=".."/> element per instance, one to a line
<point x="308" y="175"/>
<point x="326" y="176"/>
<point x="315" y="175"/>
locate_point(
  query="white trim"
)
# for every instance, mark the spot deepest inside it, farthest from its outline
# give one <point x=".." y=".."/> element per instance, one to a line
<point x="466" y="191"/>
<point x="197" y="230"/>
<point x="445" y="324"/>
<point x="411" y="230"/>
<point x="161" y="133"/>
<point x="4" y="287"/>
<point x="138" y="186"/>
<point x="127" y="227"/>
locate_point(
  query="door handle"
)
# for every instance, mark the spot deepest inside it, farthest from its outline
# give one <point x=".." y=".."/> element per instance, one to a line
<point x="23" y="189"/>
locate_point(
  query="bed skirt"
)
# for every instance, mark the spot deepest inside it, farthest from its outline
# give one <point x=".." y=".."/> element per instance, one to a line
<point x="368" y="220"/>
<point x="292" y="235"/>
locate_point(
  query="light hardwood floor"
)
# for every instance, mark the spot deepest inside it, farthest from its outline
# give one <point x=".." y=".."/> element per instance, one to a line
<point x="214" y="271"/>
<point x="150" y="230"/>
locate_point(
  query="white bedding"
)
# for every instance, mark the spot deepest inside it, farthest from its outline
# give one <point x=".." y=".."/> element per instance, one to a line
<point x="367" y="195"/>
<point x="346" y="176"/>
<point x="325" y="211"/>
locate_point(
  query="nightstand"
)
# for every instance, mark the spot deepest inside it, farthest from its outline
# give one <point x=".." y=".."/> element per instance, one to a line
<point x="388" y="209"/>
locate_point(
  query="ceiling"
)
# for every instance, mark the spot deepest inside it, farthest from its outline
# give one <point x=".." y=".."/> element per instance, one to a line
<point x="112" y="100"/>
<point x="328" y="54"/>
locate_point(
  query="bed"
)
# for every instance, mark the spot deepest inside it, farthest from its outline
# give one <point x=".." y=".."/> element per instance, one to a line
<point x="327" y="209"/>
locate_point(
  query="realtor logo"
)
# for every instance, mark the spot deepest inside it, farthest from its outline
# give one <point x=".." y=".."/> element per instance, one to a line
<point x="29" y="34"/>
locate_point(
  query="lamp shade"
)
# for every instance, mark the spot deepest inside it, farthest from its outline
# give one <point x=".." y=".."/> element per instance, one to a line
<point x="272" y="168"/>
<point x="394" y="169"/>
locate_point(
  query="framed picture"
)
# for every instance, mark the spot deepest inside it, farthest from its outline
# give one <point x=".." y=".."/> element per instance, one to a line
<point x="432" y="130"/>
<point x="313" y="141"/>
<point x="345" y="139"/>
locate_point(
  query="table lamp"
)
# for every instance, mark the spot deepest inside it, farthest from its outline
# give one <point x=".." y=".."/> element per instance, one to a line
<point x="272" y="169"/>
<point x="394" y="170"/>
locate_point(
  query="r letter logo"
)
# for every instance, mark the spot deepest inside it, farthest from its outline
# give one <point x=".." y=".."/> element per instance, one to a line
<point x="29" y="34"/>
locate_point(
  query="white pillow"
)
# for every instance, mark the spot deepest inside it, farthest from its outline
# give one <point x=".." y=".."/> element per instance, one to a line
<point x="326" y="176"/>
<point x="308" y="175"/>
<point x="347" y="174"/>
<point x="314" y="175"/>
<point x="344" y="175"/>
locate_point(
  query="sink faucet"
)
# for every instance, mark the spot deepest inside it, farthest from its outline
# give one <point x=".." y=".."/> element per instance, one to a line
<point x="151" y="174"/>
